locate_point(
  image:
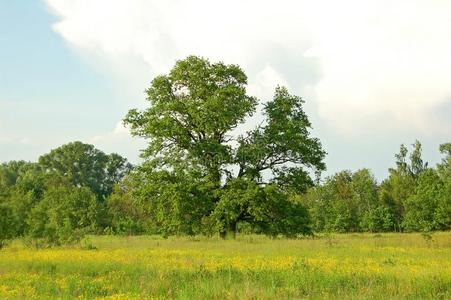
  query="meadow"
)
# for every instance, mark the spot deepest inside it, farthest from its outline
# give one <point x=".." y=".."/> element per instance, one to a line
<point x="373" y="266"/>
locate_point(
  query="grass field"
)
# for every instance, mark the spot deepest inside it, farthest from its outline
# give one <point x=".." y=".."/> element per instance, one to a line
<point x="359" y="266"/>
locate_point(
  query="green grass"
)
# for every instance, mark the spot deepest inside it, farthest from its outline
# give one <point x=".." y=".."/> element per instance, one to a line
<point x="356" y="266"/>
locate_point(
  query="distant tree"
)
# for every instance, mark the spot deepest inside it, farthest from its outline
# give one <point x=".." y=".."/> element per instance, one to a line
<point x="316" y="200"/>
<point x="77" y="169"/>
<point x="22" y="186"/>
<point x="8" y="176"/>
<point x="32" y="181"/>
<point x="373" y="214"/>
<point x="126" y="212"/>
<point x="365" y="189"/>
<point x="64" y="215"/>
<point x="86" y="166"/>
<point x="347" y="202"/>
<point x="9" y="172"/>
<point x="421" y="207"/>
<point x="333" y="205"/>
<point x="402" y="181"/>
<point x="342" y="204"/>
<point x="442" y="213"/>
<point x="6" y="221"/>
<point x="379" y="219"/>
<point x="192" y="151"/>
<point x="417" y="166"/>
<point x="444" y="168"/>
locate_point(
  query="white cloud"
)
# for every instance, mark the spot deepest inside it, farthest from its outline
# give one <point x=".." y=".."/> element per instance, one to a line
<point x="6" y="138"/>
<point x="119" y="132"/>
<point x="386" y="60"/>
<point x="264" y="82"/>
<point x="119" y="140"/>
<point x="369" y="65"/>
<point x="25" y="141"/>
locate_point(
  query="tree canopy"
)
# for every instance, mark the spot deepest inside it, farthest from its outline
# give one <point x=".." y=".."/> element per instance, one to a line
<point x="190" y="125"/>
<point x="86" y="166"/>
<point x="62" y="196"/>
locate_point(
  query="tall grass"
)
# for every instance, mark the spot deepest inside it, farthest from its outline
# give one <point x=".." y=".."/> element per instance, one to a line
<point x="376" y="266"/>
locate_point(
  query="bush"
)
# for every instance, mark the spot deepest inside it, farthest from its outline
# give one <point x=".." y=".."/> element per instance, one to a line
<point x="378" y="219"/>
<point x="64" y="215"/>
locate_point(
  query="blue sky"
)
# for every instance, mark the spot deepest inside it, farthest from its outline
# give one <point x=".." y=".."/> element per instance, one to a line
<point x="48" y="94"/>
<point x="373" y="76"/>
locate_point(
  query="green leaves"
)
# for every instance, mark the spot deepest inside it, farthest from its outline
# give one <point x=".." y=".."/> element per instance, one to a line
<point x="193" y="111"/>
<point x="444" y="168"/>
<point x="197" y="103"/>
<point x="266" y="209"/>
<point x="413" y="197"/>
<point x="429" y="207"/>
<point x="64" y="214"/>
<point x="86" y="166"/>
<point x="348" y="202"/>
<point x="288" y="127"/>
<point x="6" y="221"/>
<point x="284" y="139"/>
<point x="60" y="198"/>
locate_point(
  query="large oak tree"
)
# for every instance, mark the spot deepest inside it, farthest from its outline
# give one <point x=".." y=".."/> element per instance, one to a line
<point x="200" y="174"/>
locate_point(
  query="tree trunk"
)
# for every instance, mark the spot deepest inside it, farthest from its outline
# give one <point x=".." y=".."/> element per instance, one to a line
<point x="230" y="231"/>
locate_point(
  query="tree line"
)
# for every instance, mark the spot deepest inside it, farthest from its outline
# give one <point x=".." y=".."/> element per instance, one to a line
<point x="200" y="175"/>
<point x="414" y="197"/>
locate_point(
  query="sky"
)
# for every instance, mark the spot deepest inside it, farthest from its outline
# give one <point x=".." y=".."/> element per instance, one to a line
<point x="373" y="74"/>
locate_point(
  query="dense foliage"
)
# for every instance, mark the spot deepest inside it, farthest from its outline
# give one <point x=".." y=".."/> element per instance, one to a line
<point x="203" y="174"/>
<point x="199" y="176"/>
<point x="413" y="198"/>
<point x="61" y="197"/>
